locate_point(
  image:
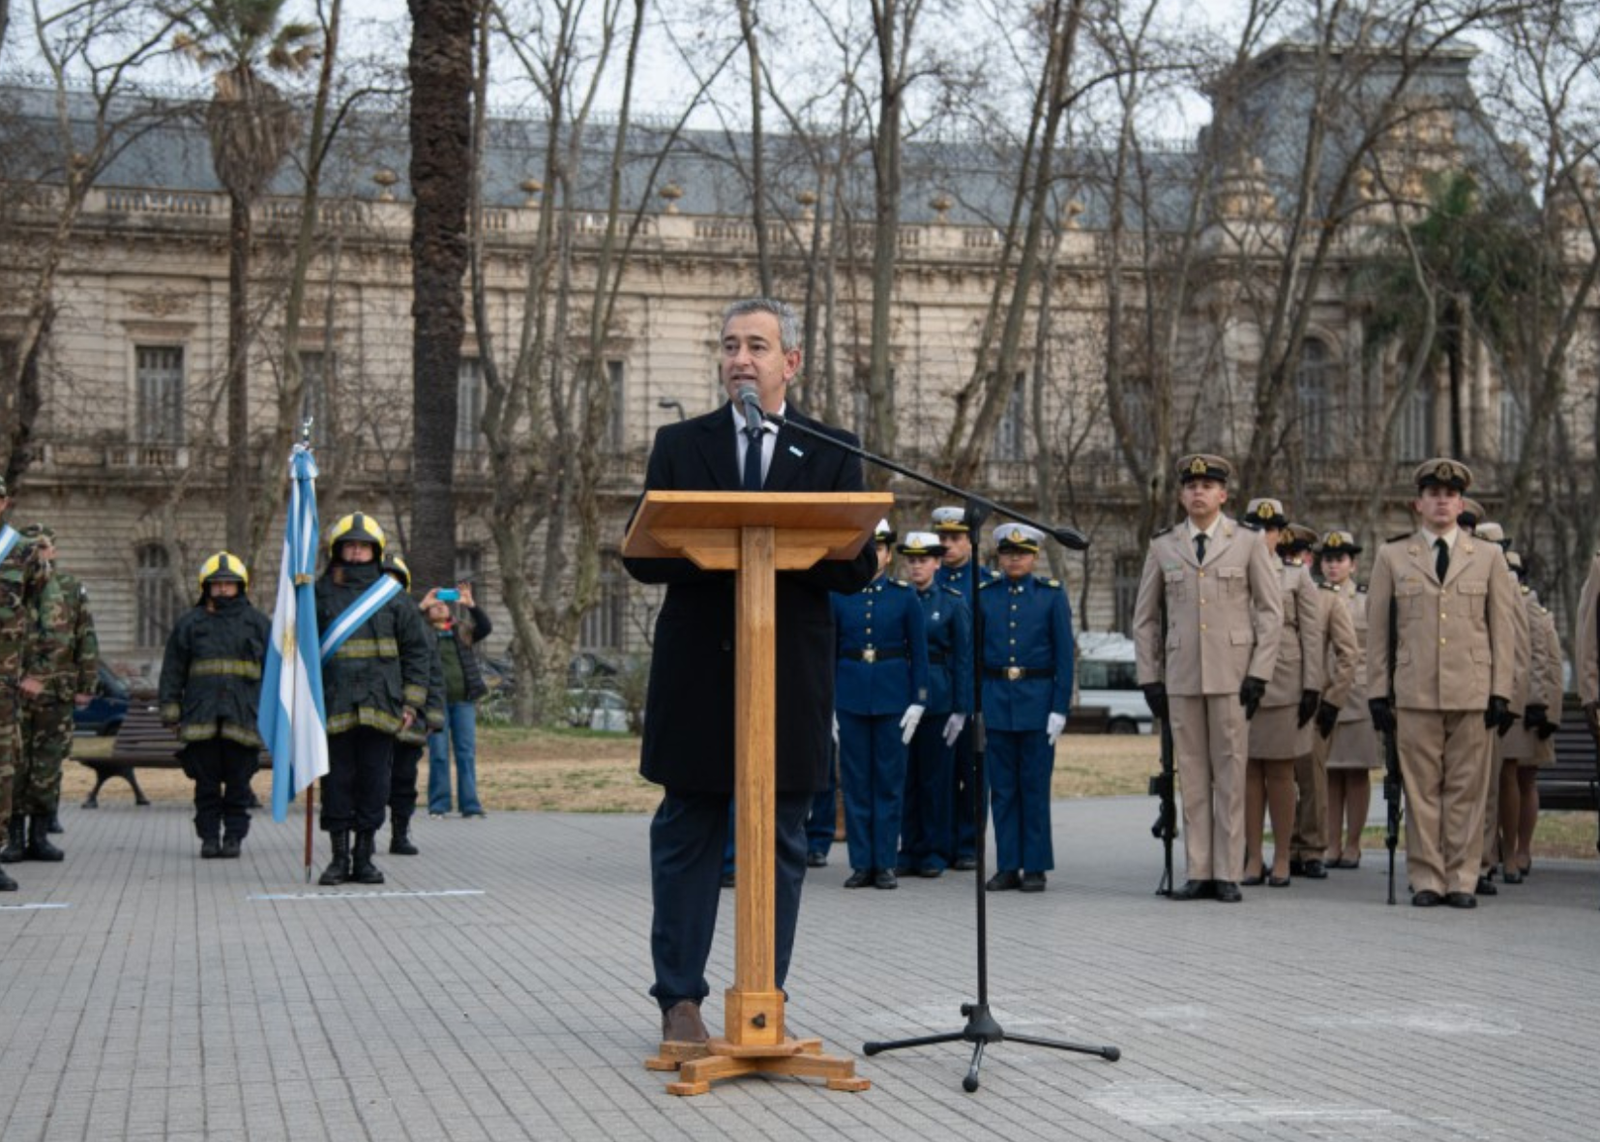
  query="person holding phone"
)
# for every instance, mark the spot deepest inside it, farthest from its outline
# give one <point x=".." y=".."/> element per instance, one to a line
<point x="457" y="623"/>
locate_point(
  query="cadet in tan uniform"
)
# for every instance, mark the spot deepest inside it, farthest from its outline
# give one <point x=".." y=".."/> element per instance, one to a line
<point x="1586" y="655"/>
<point x="1281" y="732"/>
<point x="1205" y="668"/>
<point x="1453" y="664"/>
<point x="1519" y="802"/>
<point x="1340" y="649"/>
<point x="1352" y="750"/>
<point x="1513" y="743"/>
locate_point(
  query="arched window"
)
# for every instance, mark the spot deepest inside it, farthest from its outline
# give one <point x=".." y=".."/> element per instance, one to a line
<point x="156" y="603"/>
<point x="1314" y="402"/>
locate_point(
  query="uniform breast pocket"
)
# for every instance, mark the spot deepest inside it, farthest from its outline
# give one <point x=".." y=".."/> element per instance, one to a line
<point x="1408" y="597"/>
<point x="1231" y="582"/>
<point x="1177" y="586"/>
<point x="1474" y="597"/>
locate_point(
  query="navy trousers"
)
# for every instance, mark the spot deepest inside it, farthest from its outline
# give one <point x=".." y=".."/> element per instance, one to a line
<point x="926" y="837"/>
<point x="964" y="825"/>
<point x="686" y="841"/>
<point x="355" y="793"/>
<point x="1019" y="767"/>
<point x="872" y="773"/>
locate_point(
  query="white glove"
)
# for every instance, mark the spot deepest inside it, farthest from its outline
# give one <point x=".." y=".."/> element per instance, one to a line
<point x="1053" y="727"/>
<point x="835" y="729"/>
<point x="908" y="722"/>
<point x="952" y="728"/>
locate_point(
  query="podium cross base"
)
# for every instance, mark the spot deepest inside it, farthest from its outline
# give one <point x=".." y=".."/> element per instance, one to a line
<point x="725" y="1060"/>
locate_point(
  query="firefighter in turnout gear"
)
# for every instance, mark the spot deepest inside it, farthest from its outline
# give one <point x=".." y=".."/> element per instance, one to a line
<point x="375" y="684"/>
<point x="209" y="695"/>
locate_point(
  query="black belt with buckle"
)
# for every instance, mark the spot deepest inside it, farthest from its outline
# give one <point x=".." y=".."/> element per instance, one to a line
<point x="874" y="654"/>
<point x="1017" y="673"/>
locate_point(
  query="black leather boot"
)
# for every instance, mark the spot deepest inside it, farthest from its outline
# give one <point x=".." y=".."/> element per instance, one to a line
<point x="55" y="825"/>
<point x="16" y="840"/>
<point x="362" y="870"/>
<point x="338" y="870"/>
<point x="210" y="848"/>
<point x="230" y="847"/>
<point x="6" y="883"/>
<point x="400" y="843"/>
<point x="39" y="846"/>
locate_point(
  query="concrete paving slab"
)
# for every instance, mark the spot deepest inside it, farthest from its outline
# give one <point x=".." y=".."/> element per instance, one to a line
<point x="495" y="988"/>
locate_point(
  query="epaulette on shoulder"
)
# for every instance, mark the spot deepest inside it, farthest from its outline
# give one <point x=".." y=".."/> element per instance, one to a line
<point x="1327" y="586"/>
<point x="987" y="583"/>
<point x="949" y="590"/>
<point x="1162" y="531"/>
<point x="1401" y="538"/>
<point x="1361" y="588"/>
<point x="1047" y="581"/>
<point x="899" y="582"/>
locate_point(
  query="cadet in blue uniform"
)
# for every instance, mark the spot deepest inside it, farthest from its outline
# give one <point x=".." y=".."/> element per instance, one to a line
<point x="1027" y="684"/>
<point x="950" y="524"/>
<point x="880" y="693"/>
<point x="926" y="840"/>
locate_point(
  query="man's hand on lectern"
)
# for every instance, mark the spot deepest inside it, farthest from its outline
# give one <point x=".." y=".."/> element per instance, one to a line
<point x="908" y="722"/>
<point x="953" y="728"/>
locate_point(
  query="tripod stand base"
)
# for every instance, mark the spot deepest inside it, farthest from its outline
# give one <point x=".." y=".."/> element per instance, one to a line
<point x="980" y="1031"/>
<point x="720" y="1059"/>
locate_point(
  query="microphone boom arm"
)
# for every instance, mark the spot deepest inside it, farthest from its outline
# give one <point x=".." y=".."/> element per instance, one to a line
<point x="1068" y="537"/>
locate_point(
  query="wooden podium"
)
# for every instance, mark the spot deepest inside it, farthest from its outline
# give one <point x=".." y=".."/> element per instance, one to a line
<point x="754" y="535"/>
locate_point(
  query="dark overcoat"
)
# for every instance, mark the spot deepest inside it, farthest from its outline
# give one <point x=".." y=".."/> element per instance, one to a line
<point x="689" y="712"/>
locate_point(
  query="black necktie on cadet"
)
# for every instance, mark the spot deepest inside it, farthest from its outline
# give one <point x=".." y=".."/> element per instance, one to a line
<point x="1441" y="561"/>
<point x="752" y="459"/>
<point x="1200" y="547"/>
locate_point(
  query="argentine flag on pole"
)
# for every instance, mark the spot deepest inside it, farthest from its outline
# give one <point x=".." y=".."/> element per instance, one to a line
<point x="293" y="720"/>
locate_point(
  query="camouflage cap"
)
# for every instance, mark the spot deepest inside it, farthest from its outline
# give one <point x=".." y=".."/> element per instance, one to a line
<point x="1443" y="472"/>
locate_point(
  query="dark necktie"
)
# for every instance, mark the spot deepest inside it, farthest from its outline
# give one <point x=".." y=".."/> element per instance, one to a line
<point x="1441" y="561"/>
<point x="1200" y="547"/>
<point x="752" y="459"/>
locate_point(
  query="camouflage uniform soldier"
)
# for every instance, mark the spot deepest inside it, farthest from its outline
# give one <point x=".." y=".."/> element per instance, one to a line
<point x="47" y="721"/>
<point x="24" y="647"/>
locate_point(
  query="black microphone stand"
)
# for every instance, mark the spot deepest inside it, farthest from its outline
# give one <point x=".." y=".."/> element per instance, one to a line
<point x="981" y="1028"/>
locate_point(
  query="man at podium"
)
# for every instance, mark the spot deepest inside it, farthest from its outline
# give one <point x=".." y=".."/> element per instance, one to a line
<point x="689" y="711"/>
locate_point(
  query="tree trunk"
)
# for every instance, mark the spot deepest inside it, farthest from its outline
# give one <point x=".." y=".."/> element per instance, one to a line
<point x="240" y="473"/>
<point x="440" y="121"/>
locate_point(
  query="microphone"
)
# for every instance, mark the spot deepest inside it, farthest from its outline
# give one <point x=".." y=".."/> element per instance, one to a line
<point x="1070" y="538"/>
<point x="754" y="418"/>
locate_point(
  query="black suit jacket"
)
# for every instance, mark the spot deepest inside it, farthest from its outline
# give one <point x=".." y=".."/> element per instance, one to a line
<point x="689" y="712"/>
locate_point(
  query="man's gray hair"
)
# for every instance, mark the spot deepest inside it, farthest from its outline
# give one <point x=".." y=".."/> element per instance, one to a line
<point x="788" y="322"/>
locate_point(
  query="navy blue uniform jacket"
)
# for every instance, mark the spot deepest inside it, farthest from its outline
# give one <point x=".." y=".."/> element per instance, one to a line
<point x="689" y="712"/>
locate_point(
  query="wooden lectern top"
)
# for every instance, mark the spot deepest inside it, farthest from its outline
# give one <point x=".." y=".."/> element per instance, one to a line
<point x="704" y="526"/>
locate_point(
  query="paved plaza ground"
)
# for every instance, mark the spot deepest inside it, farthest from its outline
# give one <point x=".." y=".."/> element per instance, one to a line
<point x="495" y="989"/>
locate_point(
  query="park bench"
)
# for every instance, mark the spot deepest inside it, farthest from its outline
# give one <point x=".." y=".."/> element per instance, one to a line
<point x="142" y="742"/>
<point x="1570" y="782"/>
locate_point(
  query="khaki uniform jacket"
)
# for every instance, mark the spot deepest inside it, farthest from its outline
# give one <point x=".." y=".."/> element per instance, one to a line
<point x="1223" y="620"/>
<point x="1456" y="641"/>
<point x="1585" y="663"/>
<point x="1300" y="656"/>
<point x="1341" y="649"/>
<point x="1353" y="601"/>
<point x="1524" y="650"/>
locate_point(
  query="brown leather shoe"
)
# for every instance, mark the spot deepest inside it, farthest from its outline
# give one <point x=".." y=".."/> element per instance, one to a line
<point x="681" y="1023"/>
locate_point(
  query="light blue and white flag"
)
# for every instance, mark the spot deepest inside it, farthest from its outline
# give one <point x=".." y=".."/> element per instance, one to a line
<point x="8" y="540"/>
<point x="293" y="720"/>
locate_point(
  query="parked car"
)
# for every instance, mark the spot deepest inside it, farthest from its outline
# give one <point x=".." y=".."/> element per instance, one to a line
<point x="105" y="711"/>
<point x="598" y="710"/>
<point x="1107" y="676"/>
